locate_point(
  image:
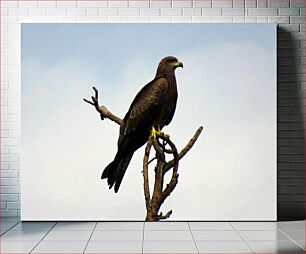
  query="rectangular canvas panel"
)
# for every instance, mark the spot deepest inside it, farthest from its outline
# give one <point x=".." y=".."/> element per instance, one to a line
<point x="227" y="85"/>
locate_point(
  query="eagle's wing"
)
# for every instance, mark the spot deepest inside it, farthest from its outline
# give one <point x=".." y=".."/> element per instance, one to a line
<point x="171" y="114"/>
<point x="148" y="103"/>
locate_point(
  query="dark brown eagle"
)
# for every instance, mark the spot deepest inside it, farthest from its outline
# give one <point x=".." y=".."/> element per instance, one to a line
<point x="152" y="109"/>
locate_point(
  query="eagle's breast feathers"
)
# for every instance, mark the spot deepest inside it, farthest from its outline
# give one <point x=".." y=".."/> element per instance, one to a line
<point x="149" y="106"/>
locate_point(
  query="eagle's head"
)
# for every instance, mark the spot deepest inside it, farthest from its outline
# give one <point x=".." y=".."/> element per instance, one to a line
<point x="167" y="66"/>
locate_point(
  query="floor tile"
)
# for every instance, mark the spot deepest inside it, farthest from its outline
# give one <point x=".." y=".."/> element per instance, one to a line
<point x="6" y="225"/>
<point x="5" y="228"/>
<point x="114" y="247"/>
<point x="23" y="236"/>
<point x="252" y="226"/>
<point x="60" y="247"/>
<point x="120" y="226"/>
<point x="67" y="236"/>
<point x="9" y="220"/>
<point x="274" y="235"/>
<point x="297" y="235"/>
<point x="33" y="226"/>
<point x="223" y="247"/>
<point x="216" y="236"/>
<point x="210" y="226"/>
<point x="166" y="225"/>
<point x="301" y="243"/>
<point x="276" y="247"/>
<point x="74" y="226"/>
<point x="98" y="236"/>
<point x="169" y="247"/>
<point x="290" y="225"/>
<point x="167" y="235"/>
<point x="17" y="247"/>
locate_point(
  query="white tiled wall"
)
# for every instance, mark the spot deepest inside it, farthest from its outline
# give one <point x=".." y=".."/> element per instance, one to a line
<point x="290" y="14"/>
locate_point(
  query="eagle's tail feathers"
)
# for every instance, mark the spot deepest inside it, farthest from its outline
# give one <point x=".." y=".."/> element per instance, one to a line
<point x="106" y="171"/>
<point x="115" y="171"/>
<point x="110" y="173"/>
<point x="124" y="163"/>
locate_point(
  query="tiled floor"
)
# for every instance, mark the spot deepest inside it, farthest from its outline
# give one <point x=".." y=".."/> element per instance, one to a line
<point x="161" y="237"/>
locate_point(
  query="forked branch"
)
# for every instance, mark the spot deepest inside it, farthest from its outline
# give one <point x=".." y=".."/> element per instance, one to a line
<point x="162" y="167"/>
<point x="186" y="149"/>
<point x="103" y="111"/>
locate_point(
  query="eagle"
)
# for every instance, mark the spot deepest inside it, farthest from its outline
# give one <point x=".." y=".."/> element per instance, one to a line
<point x="151" y="110"/>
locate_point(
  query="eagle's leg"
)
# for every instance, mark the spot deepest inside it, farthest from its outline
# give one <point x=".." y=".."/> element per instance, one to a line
<point x="158" y="132"/>
<point x="153" y="133"/>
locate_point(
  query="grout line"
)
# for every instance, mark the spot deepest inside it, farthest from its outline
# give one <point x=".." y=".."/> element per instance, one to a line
<point x="42" y="238"/>
<point x="233" y="226"/>
<point x="290" y="238"/>
<point x="243" y="238"/>
<point x="276" y="227"/>
<point x="273" y="225"/>
<point x="193" y="237"/>
<point x="10" y="228"/>
<point x="143" y="232"/>
<point x="90" y="237"/>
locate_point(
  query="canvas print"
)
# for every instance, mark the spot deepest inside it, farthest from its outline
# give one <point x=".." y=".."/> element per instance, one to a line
<point x="148" y="121"/>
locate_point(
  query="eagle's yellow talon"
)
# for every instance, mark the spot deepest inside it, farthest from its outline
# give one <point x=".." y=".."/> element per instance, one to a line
<point x="158" y="132"/>
<point x="153" y="133"/>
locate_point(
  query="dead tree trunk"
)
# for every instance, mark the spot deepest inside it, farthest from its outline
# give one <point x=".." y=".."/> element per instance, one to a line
<point x="162" y="146"/>
<point x="162" y="167"/>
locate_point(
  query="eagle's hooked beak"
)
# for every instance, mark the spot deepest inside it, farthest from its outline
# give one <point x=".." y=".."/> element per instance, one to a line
<point x="178" y="64"/>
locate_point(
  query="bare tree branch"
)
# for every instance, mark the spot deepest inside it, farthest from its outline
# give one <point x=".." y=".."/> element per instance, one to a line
<point x="163" y="217"/>
<point x="159" y="195"/>
<point x="174" y="178"/>
<point x="103" y="111"/>
<point x="185" y="150"/>
<point x="146" y="175"/>
<point x="152" y="160"/>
